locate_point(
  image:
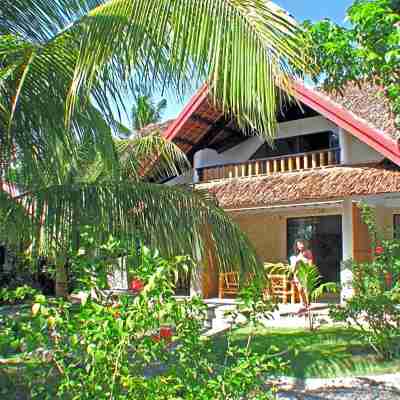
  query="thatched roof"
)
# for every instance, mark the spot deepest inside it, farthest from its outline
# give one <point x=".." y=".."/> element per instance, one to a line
<point x="368" y="102"/>
<point x="159" y="128"/>
<point x="327" y="183"/>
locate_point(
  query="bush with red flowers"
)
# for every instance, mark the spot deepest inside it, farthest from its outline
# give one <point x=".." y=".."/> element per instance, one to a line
<point x="107" y="350"/>
<point x="375" y="305"/>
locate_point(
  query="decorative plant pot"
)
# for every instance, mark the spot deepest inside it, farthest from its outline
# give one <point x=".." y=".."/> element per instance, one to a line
<point x="136" y="285"/>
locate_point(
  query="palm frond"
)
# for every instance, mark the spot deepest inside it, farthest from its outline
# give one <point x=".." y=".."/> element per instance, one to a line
<point x="151" y="157"/>
<point x="329" y="287"/>
<point x="170" y="219"/>
<point x="245" y="49"/>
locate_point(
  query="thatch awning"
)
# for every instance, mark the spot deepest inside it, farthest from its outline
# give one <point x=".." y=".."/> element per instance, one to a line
<point x="329" y="183"/>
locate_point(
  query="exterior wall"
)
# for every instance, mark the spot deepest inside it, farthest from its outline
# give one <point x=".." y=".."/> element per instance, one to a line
<point x="356" y="241"/>
<point x="182" y="179"/>
<point x="239" y="153"/>
<point x="304" y="126"/>
<point x="268" y="230"/>
<point x="267" y="233"/>
<point x="353" y="151"/>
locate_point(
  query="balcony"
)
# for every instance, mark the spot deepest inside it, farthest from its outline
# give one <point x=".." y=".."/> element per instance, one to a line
<point x="268" y="166"/>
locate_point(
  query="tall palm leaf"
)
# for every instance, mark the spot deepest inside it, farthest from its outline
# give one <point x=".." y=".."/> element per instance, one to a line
<point x="69" y="195"/>
<point x="65" y="65"/>
<point x="103" y="49"/>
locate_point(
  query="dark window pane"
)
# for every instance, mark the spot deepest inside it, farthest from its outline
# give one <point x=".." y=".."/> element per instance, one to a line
<point x="298" y="144"/>
<point x="324" y="236"/>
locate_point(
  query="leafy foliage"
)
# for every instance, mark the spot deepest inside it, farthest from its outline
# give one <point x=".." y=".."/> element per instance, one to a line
<point x="375" y="305"/>
<point x="17" y="295"/>
<point x="367" y="50"/>
<point x="66" y="65"/>
<point x="310" y="283"/>
<point x="145" y="111"/>
<point x="98" y="52"/>
<point x="111" y="348"/>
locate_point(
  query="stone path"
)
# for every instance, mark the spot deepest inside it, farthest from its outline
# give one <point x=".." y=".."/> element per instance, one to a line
<point x="383" y="387"/>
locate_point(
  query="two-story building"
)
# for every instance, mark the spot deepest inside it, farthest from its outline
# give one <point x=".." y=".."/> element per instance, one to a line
<point x="330" y="153"/>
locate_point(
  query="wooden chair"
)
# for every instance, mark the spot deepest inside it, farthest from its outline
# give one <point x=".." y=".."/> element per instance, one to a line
<point x="228" y="284"/>
<point x="282" y="289"/>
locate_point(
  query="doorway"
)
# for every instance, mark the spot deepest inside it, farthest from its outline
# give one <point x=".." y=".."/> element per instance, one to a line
<point x="324" y="237"/>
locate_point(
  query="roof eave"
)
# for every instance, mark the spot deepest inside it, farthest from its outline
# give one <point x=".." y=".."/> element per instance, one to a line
<point x="380" y="142"/>
<point x="388" y="147"/>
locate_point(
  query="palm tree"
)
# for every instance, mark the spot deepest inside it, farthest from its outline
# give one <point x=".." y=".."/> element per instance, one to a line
<point x="145" y="112"/>
<point x="310" y="282"/>
<point x="67" y="65"/>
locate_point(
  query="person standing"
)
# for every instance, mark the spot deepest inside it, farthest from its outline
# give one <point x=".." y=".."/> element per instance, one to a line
<point x="301" y="254"/>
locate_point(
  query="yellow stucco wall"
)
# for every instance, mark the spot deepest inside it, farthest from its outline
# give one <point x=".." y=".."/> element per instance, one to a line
<point x="267" y="230"/>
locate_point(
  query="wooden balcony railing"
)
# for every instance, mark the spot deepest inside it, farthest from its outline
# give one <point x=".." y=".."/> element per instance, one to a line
<point x="267" y="166"/>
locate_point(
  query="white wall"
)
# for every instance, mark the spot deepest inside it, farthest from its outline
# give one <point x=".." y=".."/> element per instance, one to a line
<point x="353" y="151"/>
<point x="181" y="180"/>
<point x="304" y="126"/>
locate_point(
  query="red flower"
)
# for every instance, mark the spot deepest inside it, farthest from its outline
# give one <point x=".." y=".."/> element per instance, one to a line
<point x="165" y="332"/>
<point x="379" y="250"/>
<point x="136" y="285"/>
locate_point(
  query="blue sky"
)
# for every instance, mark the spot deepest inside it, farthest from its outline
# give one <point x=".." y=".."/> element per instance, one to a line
<point x="301" y="10"/>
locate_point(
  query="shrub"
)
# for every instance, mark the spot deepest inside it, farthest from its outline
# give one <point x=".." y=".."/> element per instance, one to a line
<point x="375" y="306"/>
<point x="117" y="348"/>
<point x="18" y="295"/>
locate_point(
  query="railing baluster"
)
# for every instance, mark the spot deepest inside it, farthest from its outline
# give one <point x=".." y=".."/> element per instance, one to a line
<point x="330" y="157"/>
<point x="306" y="165"/>
<point x="267" y="166"/>
<point x="298" y="163"/>
<point x="314" y="160"/>
<point x="283" y="165"/>
<point x="290" y="163"/>
<point x="320" y="159"/>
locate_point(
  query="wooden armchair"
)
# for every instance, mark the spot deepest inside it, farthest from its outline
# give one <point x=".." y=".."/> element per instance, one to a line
<point x="228" y="284"/>
<point x="282" y="289"/>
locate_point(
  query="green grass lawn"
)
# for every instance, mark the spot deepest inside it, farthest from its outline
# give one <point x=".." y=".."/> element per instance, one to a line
<point x="329" y="352"/>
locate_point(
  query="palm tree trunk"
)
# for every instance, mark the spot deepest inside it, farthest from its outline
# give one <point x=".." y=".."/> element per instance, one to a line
<point x="61" y="277"/>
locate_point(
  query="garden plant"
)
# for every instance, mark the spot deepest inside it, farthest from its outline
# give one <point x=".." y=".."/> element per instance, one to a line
<point x="374" y="306"/>
<point x="148" y="345"/>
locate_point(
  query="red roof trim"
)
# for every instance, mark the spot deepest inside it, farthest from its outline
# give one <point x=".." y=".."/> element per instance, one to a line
<point x="380" y="142"/>
<point x="187" y="112"/>
<point x="346" y="120"/>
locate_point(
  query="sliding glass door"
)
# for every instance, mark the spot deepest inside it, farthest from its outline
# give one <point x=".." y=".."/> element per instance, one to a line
<point x="323" y="235"/>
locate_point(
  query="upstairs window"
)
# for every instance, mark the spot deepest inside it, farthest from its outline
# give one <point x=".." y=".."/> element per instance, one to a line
<point x="298" y="144"/>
